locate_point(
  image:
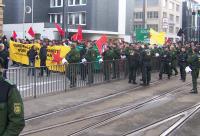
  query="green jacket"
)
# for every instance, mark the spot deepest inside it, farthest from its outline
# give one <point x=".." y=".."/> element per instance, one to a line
<point x="11" y="110"/>
<point x="91" y="55"/>
<point x="193" y="61"/>
<point x="73" y="56"/>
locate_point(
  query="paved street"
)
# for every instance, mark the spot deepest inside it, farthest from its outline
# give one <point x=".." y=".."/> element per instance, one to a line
<point x="117" y="109"/>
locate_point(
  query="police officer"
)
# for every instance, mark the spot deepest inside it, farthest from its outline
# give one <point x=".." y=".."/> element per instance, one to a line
<point x="165" y="64"/>
<point x="145" y="61"/>
<point x="133" y="61"/>
<point x="73" y="57"/>
<point x="4" y="56"/>
<point x="173" y="52"/>
<point x="116" y="60"/>
<point x="11" y="107"/>
<point x="91" y="56"/>
<point x="193" y="62"/>
<point x="107" y="58"/>
<point x="182" y="62"/>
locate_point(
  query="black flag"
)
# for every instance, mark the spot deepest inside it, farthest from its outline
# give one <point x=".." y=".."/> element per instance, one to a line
<point x="180" y="32"/>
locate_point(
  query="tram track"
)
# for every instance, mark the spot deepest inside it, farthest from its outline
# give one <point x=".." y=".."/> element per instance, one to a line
<point x="66" y="109"/>
<point x="117" y="113"/>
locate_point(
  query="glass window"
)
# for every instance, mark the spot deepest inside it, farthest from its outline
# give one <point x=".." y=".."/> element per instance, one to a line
<point x="53" y="3"/>
<point x="171" y="5"/>
<point x="151" y="3"/>
<point x="77" y="2"/>
<point x="171" y="29"/>
<point x="153" y="26"/>
<point x="58" y="18"/>
<point x="59" y="2"/>
<point x="53" y="18"/>
<point x="138" y="3"/>
<point x="84" y="2"/>
<point x="70" y="2"/>
<point x="171" y="17"/>
<point x="165" y="3"/>
<point x="152" y="14"/>
<point x="138" y="15"/>
<point x="70" y="19"/>
<point x="177" y="8"/>
<point x="77" y="18"/>
<point x="164" y="14"/>
<point x="83" y="18"/>
<point x="177" y="19"/>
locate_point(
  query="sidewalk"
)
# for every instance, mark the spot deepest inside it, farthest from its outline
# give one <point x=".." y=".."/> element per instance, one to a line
<point x="41" y="105"/>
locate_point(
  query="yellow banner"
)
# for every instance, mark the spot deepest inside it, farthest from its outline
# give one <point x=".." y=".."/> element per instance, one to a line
<point x="157" y="37"/>
<point x="18" y="53"/>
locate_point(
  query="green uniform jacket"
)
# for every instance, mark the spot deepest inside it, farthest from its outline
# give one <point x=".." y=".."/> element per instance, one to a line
<point x="91" y="55"/>
<point x="73" y="56"/>
<point x="11" y="112"/>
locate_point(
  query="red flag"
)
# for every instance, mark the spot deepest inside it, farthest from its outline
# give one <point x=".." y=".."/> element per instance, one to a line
<point x="31" y="32"/>
<point x="167" y="40"/>
<point x="56" y="57"/>
<point x="79" y="35"/>
<point x="74" y="37"/>
<point x="14" y="35"/>
<point x="61" y="32"/>
<point x="100" y="43"/>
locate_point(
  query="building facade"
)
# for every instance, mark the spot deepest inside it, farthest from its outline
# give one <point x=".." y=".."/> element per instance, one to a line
<point x="1" y="16"/>
<point x="111" y="17"/>
<point x="161" y="15"/>
<point x="191" y="20"/>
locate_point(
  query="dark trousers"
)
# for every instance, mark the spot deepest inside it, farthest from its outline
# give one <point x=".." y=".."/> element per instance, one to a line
<point x="90" y="67"/>
<point x="107" y="70"/>
<point x="83" y="71"/>
<point x="194" y="79"/>
<point x="115" y="69"/>
<point x="146" y="74"/>
<point x="72" y="74"/>
<point x="132" y="73"/>
<point x="165" y="66"/>
<point x="173" y="68"/>
<point x="182" y="72"/>
<point x="43" y="67"/>
<point x="31" y="68"/>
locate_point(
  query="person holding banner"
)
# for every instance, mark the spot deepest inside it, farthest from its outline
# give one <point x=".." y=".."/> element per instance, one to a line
<point x="32" y="54"/>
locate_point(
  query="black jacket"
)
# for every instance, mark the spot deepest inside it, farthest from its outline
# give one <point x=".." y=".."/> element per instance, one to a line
<point x="43" y="53"/>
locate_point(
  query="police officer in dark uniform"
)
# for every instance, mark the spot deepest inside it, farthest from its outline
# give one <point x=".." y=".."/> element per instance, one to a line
<point x="73" y="57"/>
<point x="4" y="55"/>
<point x="11" y="107"/>
<point x="146" y="65"/>
<point x="182" y="62"/>
<point x="165" y="64"/>
<point x="133" y="61"/>
<point x="174" y="53"/>
<point x="193" y="62"/>
<point x="32" y="54"/>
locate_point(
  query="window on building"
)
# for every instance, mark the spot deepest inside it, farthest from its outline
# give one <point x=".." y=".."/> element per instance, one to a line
<point x="152" y="14"/>
<point x="138" y="15"/>
<point x="151" y="3"/>
<point x="177" y="8"/>
<point x="177" y="19"/>
<point x="164" y="14"/>
<point x="171" y="6"/>
<point x="78" y="18"/>
<point x="153" y="26"/>
<point x="138" y="3"/>
<point x="77" y="2"/>
<point x="56" y="3"/>
<point x="171" y="29"/>
<point x="177" y="29"/>
<point x="138" y="26"/>
<point x="55" y="18"/>
<point x="171" y="18"/>
<point x="165" y="3"/>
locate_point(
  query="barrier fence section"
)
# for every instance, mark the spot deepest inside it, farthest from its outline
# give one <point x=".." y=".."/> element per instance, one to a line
<point x="33" y="82"/>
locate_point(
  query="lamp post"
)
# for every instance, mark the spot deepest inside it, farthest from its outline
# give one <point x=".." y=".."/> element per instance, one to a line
<point x="65" y="19"/>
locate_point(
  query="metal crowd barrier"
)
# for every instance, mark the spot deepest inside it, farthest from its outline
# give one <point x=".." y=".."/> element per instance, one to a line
<point x="62" y="78"/>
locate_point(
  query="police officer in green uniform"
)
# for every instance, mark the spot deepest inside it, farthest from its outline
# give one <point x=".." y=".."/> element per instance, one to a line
<point x="193" y="62"/>
<point x="146" y="65"/>
<point x="165" y="64"/>
<point x="116" y="60"/>
<point x="11" y="108"/>
<point x="182" y="62"/>
<point x="91" y="56"/>
<point x="107" y="58"/>
<point x="173" y="52"/>
<point x="133" y="61"/>
<point x="73" y="58"/>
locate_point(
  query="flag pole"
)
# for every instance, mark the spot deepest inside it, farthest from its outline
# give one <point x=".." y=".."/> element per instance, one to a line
<point x="24" y="14"/>
<point x="32" y="10"/>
